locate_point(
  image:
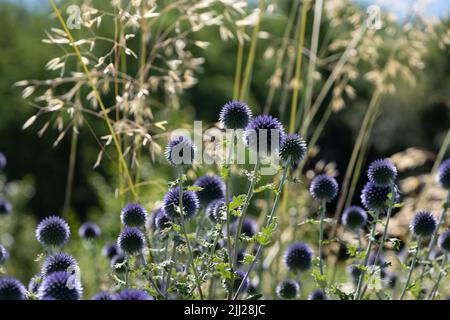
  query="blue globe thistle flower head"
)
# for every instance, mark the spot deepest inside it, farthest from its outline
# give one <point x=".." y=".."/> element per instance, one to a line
<point x="423" y="224"/>
<point x="324" y="188"/>
<point x="354" y="272"/>
<point x="318" y="295"/>
<point x="216" y="210"/>
<point x="117" y="263"/>
<point x="35" y="283"/>
<point x="4" y="255"/>
<point x="53" y="231"/>
<point x="264" y="135"/>
<point x="153" y="216"/>
<point x="293" y="148"/>
<point x="12" y="289"/>
<point x="89" y="231"/>
<point x="180" y="151"/>
<point x="163" y="221"/>
<point x="443" y="175"/>
<point x="131" y="240"/>
<point x="103" y="296"/>
<point x="288" y="289"/>
<point x="235" y="115"/>
<point x="60" y="285"/>
<point x="110" y="250"/>
<point x="213" y="188"/>
<point x="249" y="227"/>
<point x="375" y="197"/>
<point x="354" y="218"/>
<point x="171" y="203"/>
<point x="298" y="257"/>
<point x="133" y="215"/>
<point x="3" y="161"/>
<point x="58" y="262"/>
<point x="5" y="207"/>
<point x="382" y="172"/>
<point x="132" y="294"/>
<point x="444" y="240"/>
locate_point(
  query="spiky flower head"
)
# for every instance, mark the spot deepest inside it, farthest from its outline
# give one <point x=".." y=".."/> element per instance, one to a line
<point x="132" y="294"/>
<point x="324" y="188"/>
<point x="423" y="224"/>
<point x="249" y="227"/>
<point x="288" y="289"/>
<point x="216" y="210"/>
<point x="235" y="115"/>
<point x="171" y="203"/>
<point x="213" y="188"/>
<point x="444" y="174"/>
<point x="60" y="285"/>
<point x="3" y="161"/>
<point x="103" y="296"/>
<point x="293" y="148"/>
<point x="35" y="283"/>
<point x="58" y="262"/>
<point x="264" y="134"/>
<point x="382" y="172"/>
<point x="155" y="213"/>
<point x="354" y="272"/>
<point x="163" y="221"/>
<point x="117" y="263"/>
<point x="5" y="207"/>
<point x="131" y="240"/>
<point x="354" y="217"/>
<point x="53" y="231"/>
<point x="444" y="240"/>
<point x="375" y="197"/>
<point x="180" y="151"/>
<point x="3" y="254"/>
<point x="89" y="231"/>
<point x="11" y="289"/>
<point x="298" y="257"/>
<point x="133" y="215"/>
<point x="110" y="250"/>
<point x="318" y="295"/>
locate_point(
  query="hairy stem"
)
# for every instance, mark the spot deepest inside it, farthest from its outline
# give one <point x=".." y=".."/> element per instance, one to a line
<point x="413" y="264"/>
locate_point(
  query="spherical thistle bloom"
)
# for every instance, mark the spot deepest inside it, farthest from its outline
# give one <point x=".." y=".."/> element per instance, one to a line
<point x="374" y="197"/>
<point x="213" y="188"/>
<point x="264" y="134"/>
<point x="60" y="285"/>
<point x="132" y="294"/>
<point x="133" y="215"/>
<point x="5" y="207"/>
<point x="58" y="262"/>
<point x="110" y="250"/>
<point x="444" y="174"/>
<point x="155" y="213"/>
<point x="298" y="257"/>
<point x="354" y="217"/>
<point x="103" y="296"/>
<point x="12" y="289"/>
<point x="180" y="151"/>
<point x="324" y="188"/>
<point x="163" y="221"/>
<point x="293" y="148"/>
<point x="423" y="224"/>
<point x="4" y="255"/>
<point x="53" y="231"/>
<point x="3" y="161"/>
<point x="318" y="295"/>
<point x="171" y="203"/>
<point x="288" y="289"/>
<point x="216" y="210"/>
<point x="382" y="172"/>
<point x="444" y="240"/>
<point x="89" y="231"/>
<point x="235" y="115"/>
<point x="249" y="227"/>
<point x="117" y="263"/>
<point x="131" y="240"/>
<point x="35" y="283"/>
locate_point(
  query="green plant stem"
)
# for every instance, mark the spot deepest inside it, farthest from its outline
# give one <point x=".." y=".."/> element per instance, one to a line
<point x="169" y="271"/>
<point x="71" y="171"/>
<point x="388" y="216"/>
<point x="238" y="71"/>
<point x="413" y="264"/>
<point x="366" y="258"/>
<point x="441" y="272"/>
<point x="191" y="261"/>
<point x="323" y="208"/>
<point x="248" y="198"/>
<point x="227" y="208"/>
<point x="269" y="221"/>
<point x="150" y="276"/>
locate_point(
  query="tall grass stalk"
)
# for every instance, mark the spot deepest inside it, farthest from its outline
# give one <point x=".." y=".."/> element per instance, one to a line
<point x="238" y="70"/>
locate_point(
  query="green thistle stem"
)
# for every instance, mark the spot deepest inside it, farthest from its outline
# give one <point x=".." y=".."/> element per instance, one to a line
<point x="323" y="208"/>
<point x="413" y="264"/>
<point x="441" y="272"/>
